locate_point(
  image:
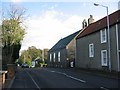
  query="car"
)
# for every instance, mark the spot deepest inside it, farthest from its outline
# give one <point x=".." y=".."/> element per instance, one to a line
<point x="25" y="65"/>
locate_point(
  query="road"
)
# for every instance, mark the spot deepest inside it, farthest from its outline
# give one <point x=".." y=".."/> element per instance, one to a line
<point x="39" y="78"/>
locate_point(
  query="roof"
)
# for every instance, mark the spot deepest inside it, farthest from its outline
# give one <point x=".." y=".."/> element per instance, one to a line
<point x="100" y="24"/>
<point x="62" y="43"/>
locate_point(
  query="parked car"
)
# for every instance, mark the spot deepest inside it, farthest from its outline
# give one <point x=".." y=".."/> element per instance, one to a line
<point x="25" y="65"/>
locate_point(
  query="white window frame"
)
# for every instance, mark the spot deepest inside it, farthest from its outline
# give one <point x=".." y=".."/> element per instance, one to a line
<point x="102" y="58"/>
<point x="91" y="54"/>
<point x="101" y="36"/>
<point x="50" y="57"/>
<point x="58" y="56"/>
<point x="54" y="57"/>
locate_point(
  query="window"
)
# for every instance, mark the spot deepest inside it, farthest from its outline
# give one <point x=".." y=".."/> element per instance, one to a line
<point x="103" y="36"/>
<point x="54" y="57"/>
<point x="58" y="56"/>
<point x="91" y="50"/>
<point x="104" y="57"/>
<point x="50" y="57"/>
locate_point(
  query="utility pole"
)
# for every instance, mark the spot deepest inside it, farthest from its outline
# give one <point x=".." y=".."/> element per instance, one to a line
<point x="108" y="32"/>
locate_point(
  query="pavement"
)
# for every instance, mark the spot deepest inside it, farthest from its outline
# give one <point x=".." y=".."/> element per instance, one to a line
<point x="9" y="83"/>
<point x="107" y="74"/>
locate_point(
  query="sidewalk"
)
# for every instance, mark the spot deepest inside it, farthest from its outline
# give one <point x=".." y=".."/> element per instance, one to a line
<point x="112" y="74"/>
<point x="16" y="82"/>
<point x="8" y="83"/>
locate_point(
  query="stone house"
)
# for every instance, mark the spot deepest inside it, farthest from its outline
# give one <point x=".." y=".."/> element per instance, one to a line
<point x="62" y="54"/>
<point x="92" y="45"/>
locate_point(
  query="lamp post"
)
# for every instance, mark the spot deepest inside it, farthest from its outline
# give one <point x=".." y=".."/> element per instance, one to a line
<point x="108" y="31"/>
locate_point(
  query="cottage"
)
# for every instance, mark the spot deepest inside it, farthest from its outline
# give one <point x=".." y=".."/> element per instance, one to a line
<point x="62" y="54"/>
<point x="92" y="45"/>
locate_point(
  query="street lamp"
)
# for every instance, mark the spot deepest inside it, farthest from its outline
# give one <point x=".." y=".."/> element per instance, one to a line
<point x="108" y="33"/>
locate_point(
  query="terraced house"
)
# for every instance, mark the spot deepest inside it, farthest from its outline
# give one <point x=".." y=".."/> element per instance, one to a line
<point x="62" y="54"/>
<point x="92" y="45"/>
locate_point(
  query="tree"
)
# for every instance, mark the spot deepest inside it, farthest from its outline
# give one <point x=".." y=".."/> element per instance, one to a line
<point x="13" y="32"/>
<point x="30" y="54"/>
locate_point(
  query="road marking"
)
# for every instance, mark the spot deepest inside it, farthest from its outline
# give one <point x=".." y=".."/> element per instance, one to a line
<point x="76" y="79"/>
<point x="34" y="81"/>
<point x="70" y="76"/>
<point x="104" y="88"/>
<point x="52" y="71"/>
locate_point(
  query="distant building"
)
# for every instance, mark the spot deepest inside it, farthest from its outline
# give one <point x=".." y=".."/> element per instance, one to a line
<point x="92" y="45"/>
<point x="62" y="54"/>
<point x="35" y="62"/>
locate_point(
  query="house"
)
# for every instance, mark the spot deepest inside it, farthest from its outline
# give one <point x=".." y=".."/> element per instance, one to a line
<point x="35" y="62"/>
<point x="92" y="45"/>
<point x="63" y="52"/>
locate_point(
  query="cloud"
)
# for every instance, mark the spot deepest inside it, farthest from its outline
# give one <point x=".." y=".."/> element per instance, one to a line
<point x="45" y="30"/>
<point x="16" y="1"/>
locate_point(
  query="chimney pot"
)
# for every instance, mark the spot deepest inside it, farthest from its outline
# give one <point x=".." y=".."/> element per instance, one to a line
<point x="90" y="20"/>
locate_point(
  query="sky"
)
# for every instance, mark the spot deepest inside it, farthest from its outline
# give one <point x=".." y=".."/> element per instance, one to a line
<point x="48" y="21"/>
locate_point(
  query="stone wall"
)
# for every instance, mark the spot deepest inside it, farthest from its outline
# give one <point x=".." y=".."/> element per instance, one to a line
<point x="0" y="81"/>
<point x="0" y="59"/>
<point x="2" y="78"/>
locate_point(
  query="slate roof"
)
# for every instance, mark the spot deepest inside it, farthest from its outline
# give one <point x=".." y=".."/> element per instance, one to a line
<point x="62" y="43"/>
<point x="100" y="24"/>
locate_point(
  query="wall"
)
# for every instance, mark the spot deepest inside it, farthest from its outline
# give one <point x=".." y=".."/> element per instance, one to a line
<point x="63" y="58"/>
<point x="71" y="51"/>
<point x="0" y="59"/>
<point x="0" y="80"/>
<point x="119" y="35"/>
<point x="0" y="50"/>
<point x="82" y="51"/>
<point x="114" y="60"/>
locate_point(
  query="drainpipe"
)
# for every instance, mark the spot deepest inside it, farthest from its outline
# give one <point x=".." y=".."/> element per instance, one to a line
<point x="117" y="47"/>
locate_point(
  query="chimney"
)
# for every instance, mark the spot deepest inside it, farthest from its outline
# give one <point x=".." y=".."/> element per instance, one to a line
<point x="84" y="23"/>
<point x="90" y="20"/>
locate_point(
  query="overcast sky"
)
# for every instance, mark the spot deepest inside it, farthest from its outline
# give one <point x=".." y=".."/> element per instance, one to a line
<point x="51" y="20"/>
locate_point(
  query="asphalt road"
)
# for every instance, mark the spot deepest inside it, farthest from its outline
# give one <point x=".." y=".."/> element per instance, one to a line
<point x="39" y="78"/>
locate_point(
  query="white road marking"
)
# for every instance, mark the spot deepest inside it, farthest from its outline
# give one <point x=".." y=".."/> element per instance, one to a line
<point x="69" y="76"/>
<point x="34" y="81"/>
<point x="76" y="79"/>
<point x="104" y="88"/>
<point x="52" y="71"/>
